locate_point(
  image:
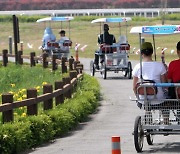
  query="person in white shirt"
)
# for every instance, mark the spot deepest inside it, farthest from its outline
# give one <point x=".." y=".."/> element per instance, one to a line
<point x="151" y="70"/>
<point x="62" y="40"/>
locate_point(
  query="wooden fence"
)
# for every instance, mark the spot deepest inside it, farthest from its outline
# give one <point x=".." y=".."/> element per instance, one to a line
<point x="62" y="89"/>
<point x="44" y="59"/>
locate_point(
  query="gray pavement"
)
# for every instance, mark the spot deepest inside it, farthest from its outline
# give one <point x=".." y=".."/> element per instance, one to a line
<point x="115" y="116"/>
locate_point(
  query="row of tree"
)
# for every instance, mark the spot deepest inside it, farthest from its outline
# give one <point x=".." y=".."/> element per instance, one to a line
<point x="82" y="4"/>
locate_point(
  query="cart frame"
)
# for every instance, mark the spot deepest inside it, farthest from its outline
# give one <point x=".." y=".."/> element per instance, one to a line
<point x="159" y="117"/>
<point x="119" y="53"/>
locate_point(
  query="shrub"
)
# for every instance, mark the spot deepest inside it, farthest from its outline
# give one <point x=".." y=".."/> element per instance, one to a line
<point x="15" y="137"/>
<point x="172" y="17"/>
<point x="84" y="102"/>
<point x="41" y="128"/>
<point x="62" y="120"/>
<point x="27" y="132"/>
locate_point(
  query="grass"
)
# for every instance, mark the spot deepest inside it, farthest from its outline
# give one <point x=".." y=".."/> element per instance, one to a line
<point x="85" y="33"/>
<point x="15" y="77"/>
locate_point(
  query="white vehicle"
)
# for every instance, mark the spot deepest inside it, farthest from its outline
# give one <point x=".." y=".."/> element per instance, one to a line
<point x="118" y="59"/>
<point x="54" y="47"/>
<point x="161" y="119"/>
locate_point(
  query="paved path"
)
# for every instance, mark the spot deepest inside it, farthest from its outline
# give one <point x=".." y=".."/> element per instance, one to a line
<point x="115" y="116"/>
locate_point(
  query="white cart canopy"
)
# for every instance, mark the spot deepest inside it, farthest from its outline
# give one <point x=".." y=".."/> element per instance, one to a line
<point x="55" y="19"/>
<point x="100" y="20"/>
<point x="156" y="30"/>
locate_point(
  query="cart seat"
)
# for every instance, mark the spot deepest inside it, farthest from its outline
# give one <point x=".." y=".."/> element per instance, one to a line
<point x="140" y="89"/>
<point x="124" y="47"/>
<point x="67" y="43"/>
<point x="105" y="48"/>
<point x="53" y="44"/>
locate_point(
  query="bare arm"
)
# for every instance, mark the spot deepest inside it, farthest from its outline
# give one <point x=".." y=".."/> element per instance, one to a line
<point x="135" y="80"/>
<point x="169" y="80"/>
<point x="163" y="78"/>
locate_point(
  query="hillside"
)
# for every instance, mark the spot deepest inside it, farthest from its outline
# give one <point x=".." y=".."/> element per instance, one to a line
<point x="82" y="4"/>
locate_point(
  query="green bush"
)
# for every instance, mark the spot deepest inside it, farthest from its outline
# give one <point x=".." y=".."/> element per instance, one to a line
<point x="172" y="17"/>
<point x="15" y="137"/>
<point x="27" y="132"/>
<point x="144" y="19"/>
<point x="34" y="18"/>
<point x="85" y="18"/>
<point x="41" y="129"/>
<point x="84" y="103"/>
<point x="90" y="84"/>
<point x="22" y="18"/>
<point x="62" y="120"/>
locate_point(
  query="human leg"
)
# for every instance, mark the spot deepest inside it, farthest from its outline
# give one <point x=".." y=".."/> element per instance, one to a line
<point x="166" y="106"/>
<point x="96" y="60"/>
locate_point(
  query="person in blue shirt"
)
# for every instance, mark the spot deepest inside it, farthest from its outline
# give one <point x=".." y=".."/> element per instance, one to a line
<point x="47" y="38"/>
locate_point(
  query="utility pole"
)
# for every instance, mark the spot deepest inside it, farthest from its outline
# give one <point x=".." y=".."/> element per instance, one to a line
<point x="163" y="10"/>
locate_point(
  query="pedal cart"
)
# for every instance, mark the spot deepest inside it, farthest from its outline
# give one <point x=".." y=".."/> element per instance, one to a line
<point x="118" y="60"/>
<point x="57" y="48"/>
<point x="161" y="119"/>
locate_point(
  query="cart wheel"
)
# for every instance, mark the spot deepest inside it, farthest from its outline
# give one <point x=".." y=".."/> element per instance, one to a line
<point x="125" y="72"/>
<point x="104" y="72"/>
<point x="149" y="138"/>
<point x="138" y="134"/>
<point x="129" y="70"/>
<point x="92" y="69"/>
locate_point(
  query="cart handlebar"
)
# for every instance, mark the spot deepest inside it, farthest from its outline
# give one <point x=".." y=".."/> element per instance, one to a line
<point x="161" y="84"/>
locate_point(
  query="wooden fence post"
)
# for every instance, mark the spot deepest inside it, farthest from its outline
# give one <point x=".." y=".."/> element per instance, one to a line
<point x="45" y="62"/>
<point x="7" y="116"/>
<point x="54" y="64"/>
<point x="67" y="80"/>
<point x="20" y="59"/>
<point x="75" y="64"/>
<point x="59" y="85"/>
<point x="63" y="64"/>
<point x="5" y="57"/>
<point x="73" y="74"/>
<point x="47" y="88"/>
<point x="71" y="60"/>
<point x="32" y="109"/>
<point x="32" y="60"/>
<point x="80" y="68"/>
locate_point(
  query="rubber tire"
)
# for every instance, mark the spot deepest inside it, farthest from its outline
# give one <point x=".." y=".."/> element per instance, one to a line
<point x="92" y="69"/>
<point x="125" y="72"/>
<point x="138" y="134"/>
<point x="129" y="70"/>
<point x="149" y="138"/>
<point x="104" y="73"/>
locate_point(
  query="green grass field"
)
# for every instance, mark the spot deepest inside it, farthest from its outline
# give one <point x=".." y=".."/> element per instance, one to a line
<point x="85" y="33"/>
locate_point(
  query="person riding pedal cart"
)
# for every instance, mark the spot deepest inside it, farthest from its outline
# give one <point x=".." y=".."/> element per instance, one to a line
<point x="47" y="40"/>
<point x="104" y="39"/>
<point x="64" y="43"/>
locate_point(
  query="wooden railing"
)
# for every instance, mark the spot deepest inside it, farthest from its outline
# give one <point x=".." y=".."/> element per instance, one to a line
<point x="62" y="89"/>
<point x="44" y="59"/>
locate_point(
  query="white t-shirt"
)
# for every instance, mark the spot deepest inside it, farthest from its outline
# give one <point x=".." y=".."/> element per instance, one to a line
<point x="61" y="41"/>
<point x="151" y="71"/>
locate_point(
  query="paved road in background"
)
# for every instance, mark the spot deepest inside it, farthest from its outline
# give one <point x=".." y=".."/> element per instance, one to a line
<point x="115" y="116"/>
